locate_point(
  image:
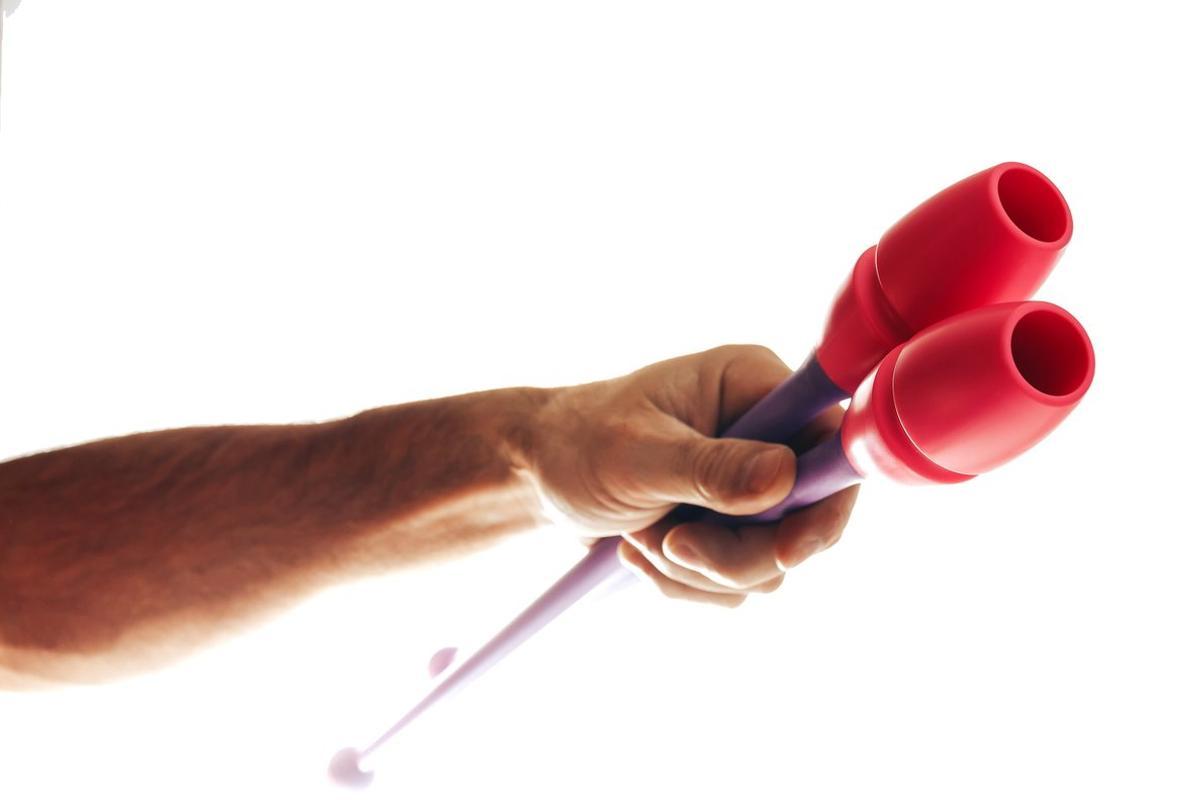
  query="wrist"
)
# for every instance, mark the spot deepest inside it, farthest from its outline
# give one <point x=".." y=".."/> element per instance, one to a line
<point x="519" y="423"/>
<point x="512" y="421"/>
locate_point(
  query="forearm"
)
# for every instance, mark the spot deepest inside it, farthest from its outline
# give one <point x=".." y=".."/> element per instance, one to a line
<point x="127" y="551"/>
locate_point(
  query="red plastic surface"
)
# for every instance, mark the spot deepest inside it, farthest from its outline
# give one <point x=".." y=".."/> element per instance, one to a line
<point x="861" y="327"/>
<point x="968" y="394"/>
<point x="991" y="238"/>
<point x="873" y="439"/>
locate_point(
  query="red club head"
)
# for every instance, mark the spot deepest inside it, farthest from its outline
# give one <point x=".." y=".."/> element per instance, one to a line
<point x="991" y="238"/>
<point x="969" y="393"/>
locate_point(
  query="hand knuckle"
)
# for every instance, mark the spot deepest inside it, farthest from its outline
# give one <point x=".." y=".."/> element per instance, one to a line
<point x="759" y="352"/>
<point x="725" y="352"/>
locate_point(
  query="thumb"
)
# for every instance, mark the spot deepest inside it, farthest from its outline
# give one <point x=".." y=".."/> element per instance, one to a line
<point x="735" y="476"/>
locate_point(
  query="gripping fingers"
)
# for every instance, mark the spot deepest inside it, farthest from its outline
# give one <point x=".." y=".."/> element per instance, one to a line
<point x="634" y="559"/>
<point x="811" y="530"/>
<point x="738" y="560"/>
<point x="649" y="542"/>
<point x="644" y="552"/>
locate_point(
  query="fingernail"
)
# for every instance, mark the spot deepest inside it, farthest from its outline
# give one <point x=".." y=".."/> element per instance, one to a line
<point x="801" y="551"/>
<point x="759" y="473"/>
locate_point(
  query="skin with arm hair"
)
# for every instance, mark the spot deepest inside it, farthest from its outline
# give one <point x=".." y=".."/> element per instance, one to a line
<point x="124" y="554"/>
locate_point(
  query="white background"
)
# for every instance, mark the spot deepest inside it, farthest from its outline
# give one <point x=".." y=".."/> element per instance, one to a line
<point x="284" y="210"/>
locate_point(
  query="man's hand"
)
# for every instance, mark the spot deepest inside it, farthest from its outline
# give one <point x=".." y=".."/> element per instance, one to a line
<point x="621" y="454"/>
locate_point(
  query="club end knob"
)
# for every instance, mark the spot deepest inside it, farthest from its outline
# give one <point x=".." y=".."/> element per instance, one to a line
<point x="345" y="770"/>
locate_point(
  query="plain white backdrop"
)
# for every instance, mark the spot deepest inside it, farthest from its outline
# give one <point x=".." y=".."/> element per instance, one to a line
<point x="285" y="210"/>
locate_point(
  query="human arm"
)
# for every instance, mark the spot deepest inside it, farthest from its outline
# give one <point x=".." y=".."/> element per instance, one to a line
<point x="124" y="553"/>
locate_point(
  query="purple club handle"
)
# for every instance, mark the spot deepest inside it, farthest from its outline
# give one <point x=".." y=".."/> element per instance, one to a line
<point x="595" y="568"/>
<point x="778" y="417"/>
<point x="791" y="405"/>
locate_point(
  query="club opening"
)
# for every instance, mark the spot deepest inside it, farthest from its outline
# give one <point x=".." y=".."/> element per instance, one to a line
<point x="1051" y="352"/>
<point x="1033" y="204"/>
